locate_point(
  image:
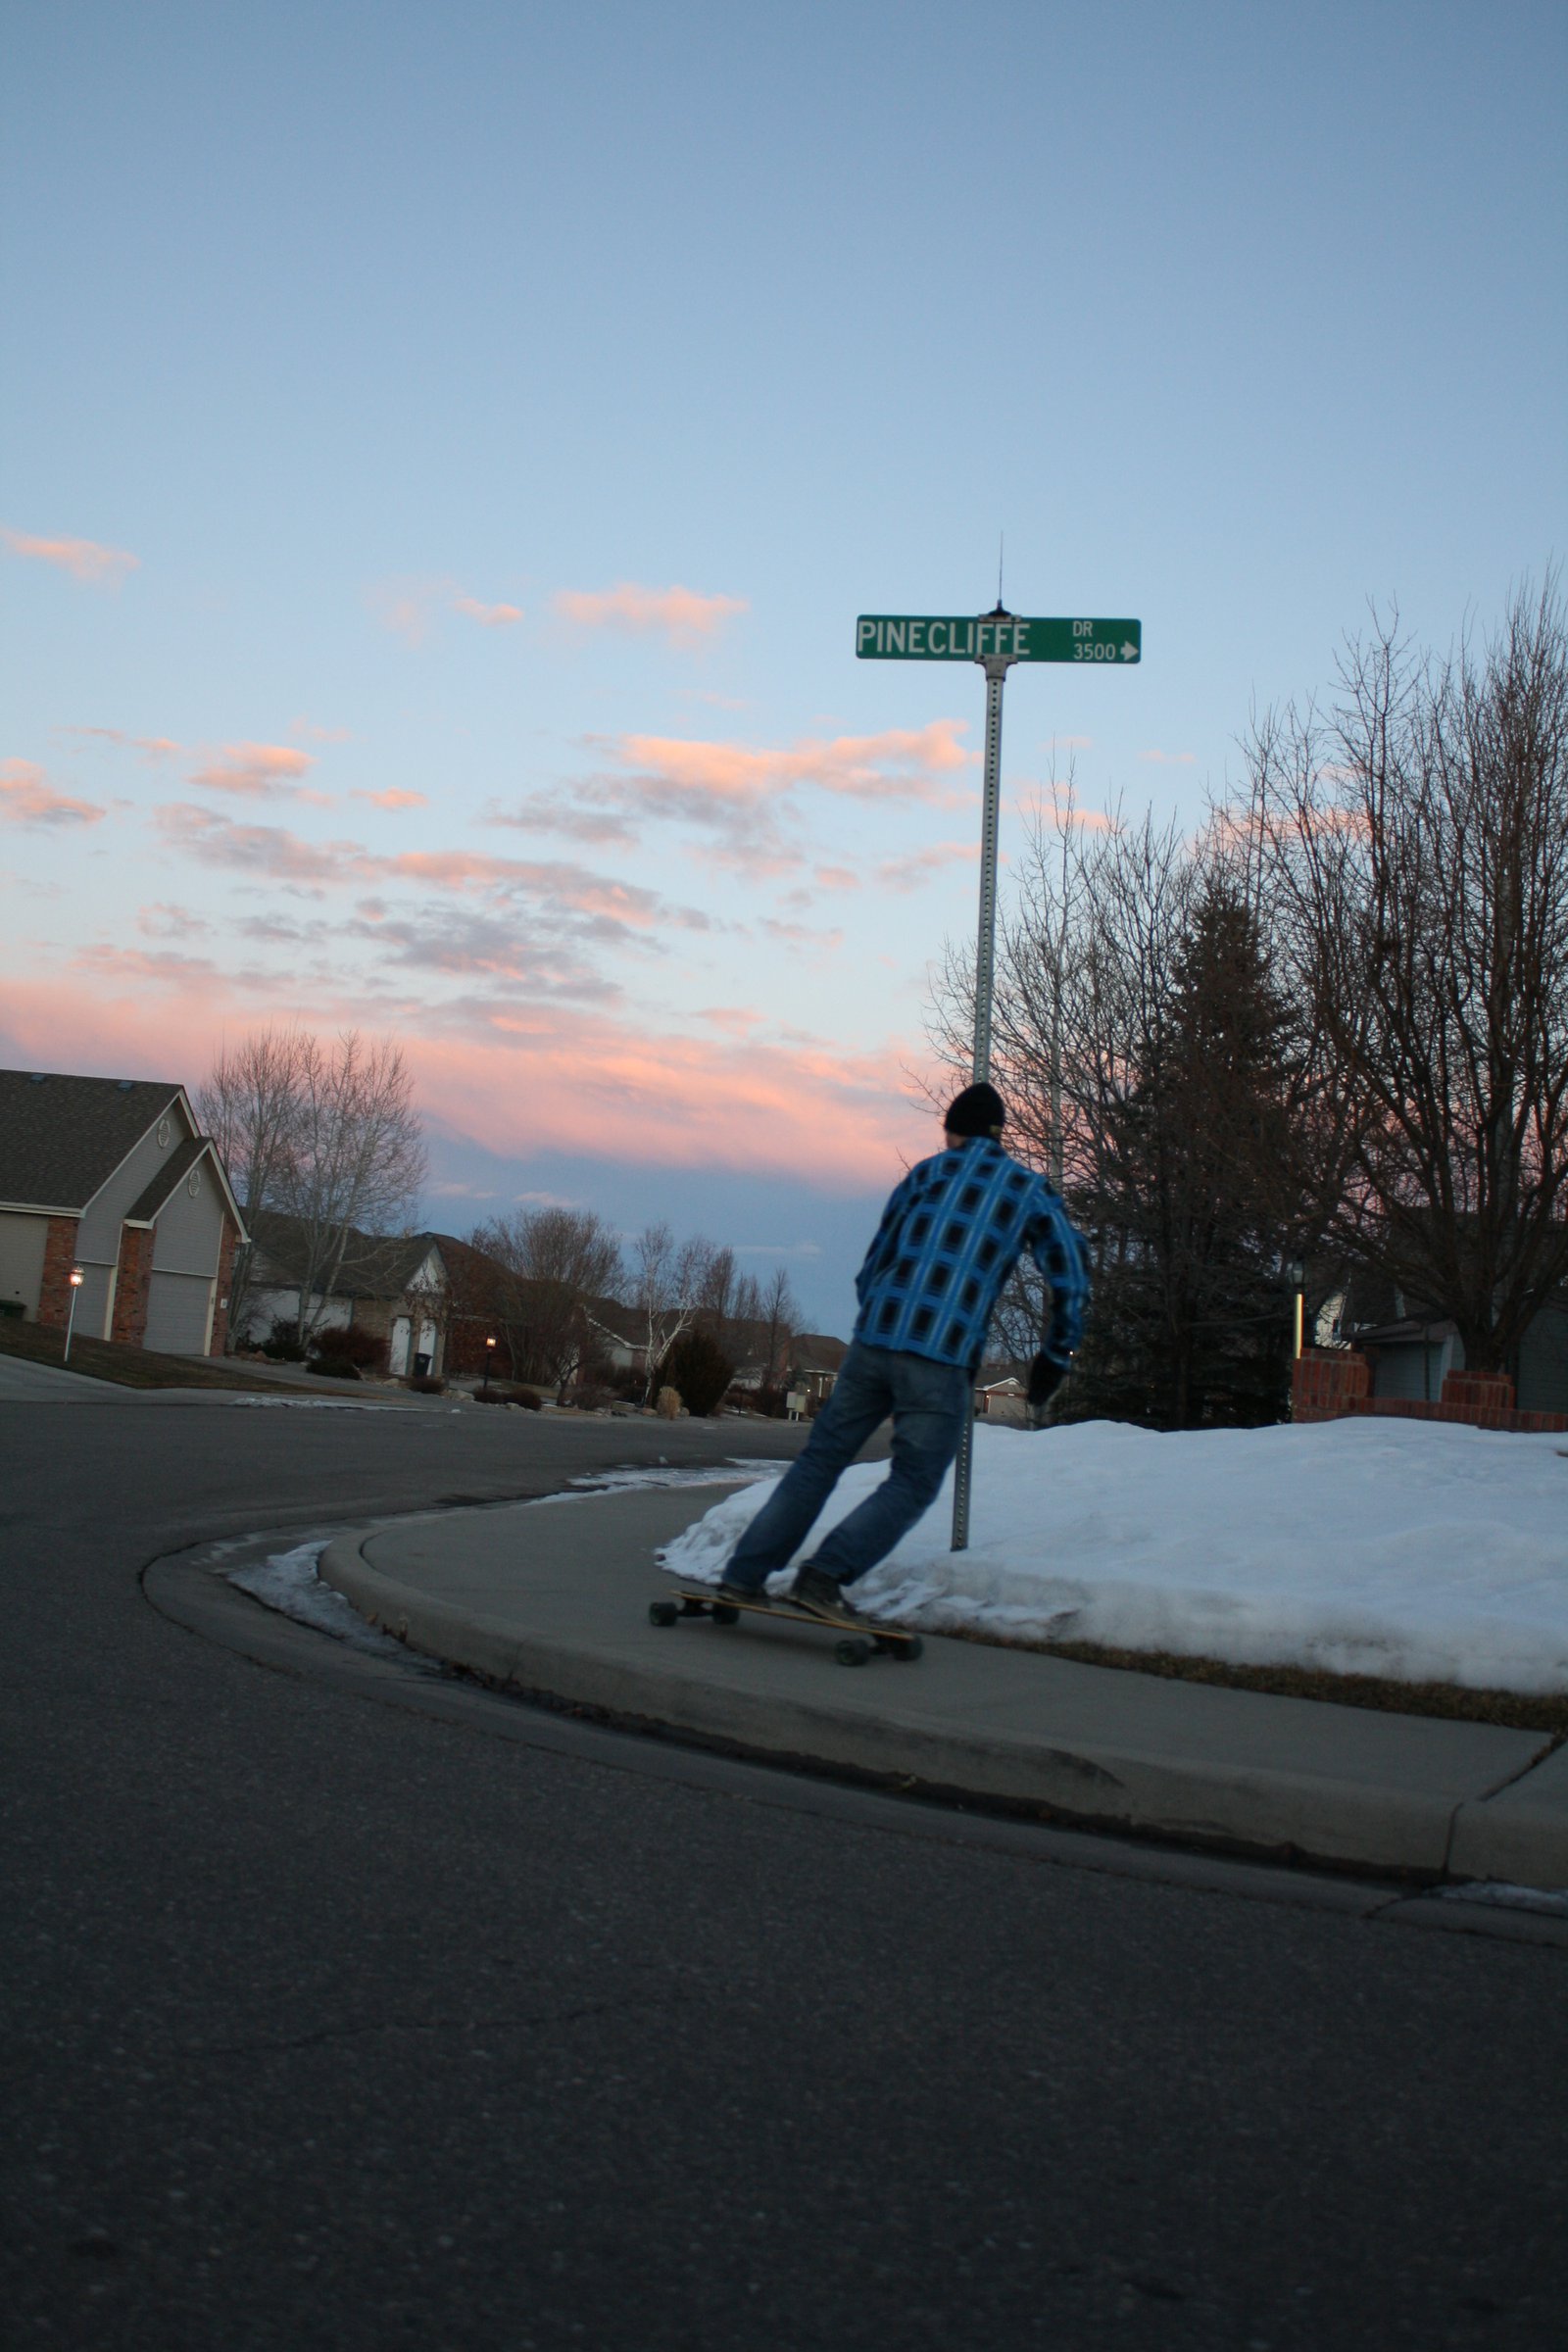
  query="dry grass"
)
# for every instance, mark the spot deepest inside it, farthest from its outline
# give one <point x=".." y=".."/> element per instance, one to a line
<point x="1514" y="1710"/>
<point x="128" y="1367"/>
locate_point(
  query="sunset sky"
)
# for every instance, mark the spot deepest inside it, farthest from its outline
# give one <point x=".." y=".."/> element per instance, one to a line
<point x="444" y="452"/>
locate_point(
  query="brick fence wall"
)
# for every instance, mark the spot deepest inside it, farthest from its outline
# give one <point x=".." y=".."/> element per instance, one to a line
<point x="1334" y="1384"/>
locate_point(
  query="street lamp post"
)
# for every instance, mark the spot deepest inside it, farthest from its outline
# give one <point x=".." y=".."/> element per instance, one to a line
<point x="489" y="1359"/>
<point x="1294" y="1276"/>
<point x="1294" y="1281"/>
<point x="74" y="1278"/>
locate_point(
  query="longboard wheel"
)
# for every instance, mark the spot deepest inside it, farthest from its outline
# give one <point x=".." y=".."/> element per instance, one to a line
<point x="907" y="1651"/>
<point x="854" y="1652"/>
<point x="663" y="1612"/>
<point x="725" y="1613"/>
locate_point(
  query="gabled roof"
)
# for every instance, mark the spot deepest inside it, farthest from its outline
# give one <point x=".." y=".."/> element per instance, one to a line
<point x="60" y="1138"/>
<point x="174" y="1172"/>
<point x="375" y="1265"/>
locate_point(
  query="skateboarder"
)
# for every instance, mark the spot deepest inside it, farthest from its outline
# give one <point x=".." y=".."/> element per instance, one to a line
<point x="951" y="1234"/>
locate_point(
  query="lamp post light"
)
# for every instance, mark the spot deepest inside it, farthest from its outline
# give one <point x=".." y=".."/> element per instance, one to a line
<point x="74" y="1278"/>
<point x="489" y="1359"/>
<point x="1295" y="1274"/>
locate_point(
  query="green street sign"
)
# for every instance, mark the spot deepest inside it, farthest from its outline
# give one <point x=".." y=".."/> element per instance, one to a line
<point x="992" y="636"/>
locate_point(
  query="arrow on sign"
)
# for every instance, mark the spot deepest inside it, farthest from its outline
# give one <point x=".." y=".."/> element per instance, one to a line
<point x="1129" y="652"/>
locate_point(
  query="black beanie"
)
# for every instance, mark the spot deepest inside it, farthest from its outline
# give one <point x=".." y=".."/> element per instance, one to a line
<point x="978" y="1111"/>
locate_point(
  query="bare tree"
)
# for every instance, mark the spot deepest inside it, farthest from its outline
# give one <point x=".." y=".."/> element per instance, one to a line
<point x="357" y="1158"/>
<point x="669" y="1280"/>
<point x="249" y="1106"/>
<point x="1415" y="843"/>
<point x="779" y="1314"/>
<point x="554" y="1260"/>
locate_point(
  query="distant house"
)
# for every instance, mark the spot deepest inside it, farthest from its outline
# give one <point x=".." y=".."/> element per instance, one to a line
<point x="394" y="1287"/>
<point x="113" y="1176"/>
<point x="1412" y="1347"/>
<point x="1001" y="1396"/>
<point x="815" y="1360"/>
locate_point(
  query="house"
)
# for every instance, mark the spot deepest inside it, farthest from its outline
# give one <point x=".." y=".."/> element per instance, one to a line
<point x="1412" y="1347"/>
<point x="1001" y="1396"/>
<point x="113" y="1176"/>
<point x="814" y="1358"/>
<point x="393" y="1285"/>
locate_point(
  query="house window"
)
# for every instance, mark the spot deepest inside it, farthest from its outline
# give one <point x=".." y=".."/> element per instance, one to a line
<point x="163" y="1135"/>
<point x="193" y="1182"/>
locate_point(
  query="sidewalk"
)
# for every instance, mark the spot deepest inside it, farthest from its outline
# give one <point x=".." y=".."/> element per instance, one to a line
<point x="551" y="1599"/>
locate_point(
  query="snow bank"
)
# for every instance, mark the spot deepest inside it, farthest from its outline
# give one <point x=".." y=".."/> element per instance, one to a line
<point x="1420" y="1551"/>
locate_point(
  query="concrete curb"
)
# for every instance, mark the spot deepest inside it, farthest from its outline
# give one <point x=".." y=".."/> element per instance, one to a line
<point x="1287" y="1779"/>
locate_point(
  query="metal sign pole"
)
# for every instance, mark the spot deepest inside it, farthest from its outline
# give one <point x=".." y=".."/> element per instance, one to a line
<point x="995" y="640"/>
<point x="985" y="959"/>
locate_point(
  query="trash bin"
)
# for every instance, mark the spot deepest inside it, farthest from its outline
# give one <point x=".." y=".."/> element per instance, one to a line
<point x="421" y="1364"/>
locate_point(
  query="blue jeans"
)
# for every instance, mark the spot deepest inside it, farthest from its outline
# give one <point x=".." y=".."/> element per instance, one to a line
<point x="928" y="1402"/>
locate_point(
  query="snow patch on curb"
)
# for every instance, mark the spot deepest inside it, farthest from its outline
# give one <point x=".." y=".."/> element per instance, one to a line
<point x="288" y="1583"/>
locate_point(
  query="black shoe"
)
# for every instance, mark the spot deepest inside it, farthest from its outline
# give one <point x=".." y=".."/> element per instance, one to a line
<point x="820" y="1595"/>
<point x="728" y="1591"/>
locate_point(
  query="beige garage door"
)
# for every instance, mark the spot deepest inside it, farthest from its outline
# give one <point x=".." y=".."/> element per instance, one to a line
<point x="177" y="1308"/>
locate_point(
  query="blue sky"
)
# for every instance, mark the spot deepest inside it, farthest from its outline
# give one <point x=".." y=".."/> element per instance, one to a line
<point x="376" y="375"/>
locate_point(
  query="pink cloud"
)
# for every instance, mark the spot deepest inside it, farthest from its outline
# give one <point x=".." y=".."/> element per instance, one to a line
<point x="164" y="969"/>
<point x="85" y="560"/>
<point x="572" y="886"/>
<point x="679" y="614"/>
<point x="737" y="793"/>
<point x="215" y="840"/>
<point x="150" y="747"/>
<point x="403" y="607"/>
<point x="27" y="798"/>
<point x="392" y="799"/>
<point x="902" y="763"/>
<point x="518" y="1078"/>
<point x="835" y="878"/>
<point x="920" y="866"/>
<point x="490" y="617"/>
<point x="312" y="733"/>
<point x="165" y="921"/>
<point x="257" y="770"/>
<point x="1170" y="758"/>
<point x="616" y="909"/>
<point x="558" y="812"/>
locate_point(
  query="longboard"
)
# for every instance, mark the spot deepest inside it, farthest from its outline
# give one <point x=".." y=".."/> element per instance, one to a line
<point x="858" y="1645"/>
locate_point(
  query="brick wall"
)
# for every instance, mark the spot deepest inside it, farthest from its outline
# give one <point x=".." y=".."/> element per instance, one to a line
<point x="1334" y="1384"/>
<point x="59" y="1256"/>
<point x="1327" y="1382"/>
<point x="130" y="1325"/>
<point x="225" y="1286"/>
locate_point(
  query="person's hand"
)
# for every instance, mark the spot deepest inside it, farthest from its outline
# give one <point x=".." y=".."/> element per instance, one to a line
<point x="1046" y="1376"/>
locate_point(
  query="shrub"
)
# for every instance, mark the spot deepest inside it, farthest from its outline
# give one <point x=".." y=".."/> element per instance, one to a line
<point x="282" y="1342"/>
<point x="428" y="1383"/>
<point x="334" y="1367"/>
<point x="699" y="1368"/>
<point x="350" y="1343"/>
<point x="529" y="1399"/>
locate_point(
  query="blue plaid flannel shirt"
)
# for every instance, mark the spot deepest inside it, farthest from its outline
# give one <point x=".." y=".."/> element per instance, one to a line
<point x="951" y="1234"/>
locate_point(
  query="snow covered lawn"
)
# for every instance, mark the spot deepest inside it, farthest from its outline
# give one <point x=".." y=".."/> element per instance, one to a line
<point x="1417" y="1551"/>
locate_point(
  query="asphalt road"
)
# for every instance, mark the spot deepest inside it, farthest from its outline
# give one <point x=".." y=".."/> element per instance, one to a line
<point x="346" y="2007"/>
